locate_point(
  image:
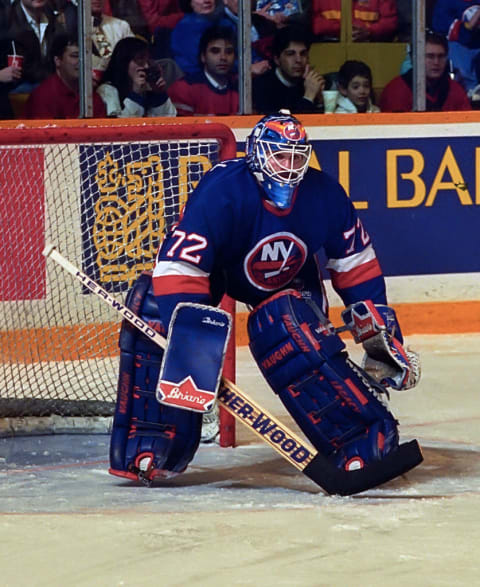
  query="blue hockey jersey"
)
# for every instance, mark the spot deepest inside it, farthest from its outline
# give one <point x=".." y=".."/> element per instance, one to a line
<point x="230" y="239"/>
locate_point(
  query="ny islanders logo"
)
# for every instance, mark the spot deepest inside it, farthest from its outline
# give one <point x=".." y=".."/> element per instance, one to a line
<point x="289" y="130"/>
<point x="275" y="260"/>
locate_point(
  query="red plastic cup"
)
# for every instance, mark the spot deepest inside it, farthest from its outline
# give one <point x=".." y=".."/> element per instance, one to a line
<point x="16" y="61"/>
<point x="97" y="75"/>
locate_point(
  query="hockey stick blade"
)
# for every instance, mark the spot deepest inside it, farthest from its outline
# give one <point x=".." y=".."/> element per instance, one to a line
<point x="313" y="464"/>
<point x="291" y="447"/>
<point x="339" y="482"/>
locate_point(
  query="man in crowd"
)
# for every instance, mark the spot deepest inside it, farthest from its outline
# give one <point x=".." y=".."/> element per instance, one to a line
<point x="213" y="91"/>
<point x="58" y="96"/>
<point x="292" y="84"/>
<point x="442" y="93"/>
<point x="31" y="26"/>
<point x="107" y="30"/>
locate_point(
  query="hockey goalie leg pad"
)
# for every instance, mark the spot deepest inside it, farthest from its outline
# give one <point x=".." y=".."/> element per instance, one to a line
<point x="330" y="398"/>
<point x="148" y="439"/>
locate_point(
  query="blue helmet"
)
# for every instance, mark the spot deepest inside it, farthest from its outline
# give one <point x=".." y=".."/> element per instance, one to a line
<point x="278" y="153"/>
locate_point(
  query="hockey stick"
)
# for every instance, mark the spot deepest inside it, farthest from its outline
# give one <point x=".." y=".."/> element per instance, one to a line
<point x="291" y="447"/>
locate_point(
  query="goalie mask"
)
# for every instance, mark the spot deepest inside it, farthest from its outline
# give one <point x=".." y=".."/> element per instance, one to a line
<point x="278" y="153"/>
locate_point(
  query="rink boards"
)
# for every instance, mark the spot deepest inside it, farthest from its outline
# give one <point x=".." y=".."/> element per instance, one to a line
<point x="415" y="185"/>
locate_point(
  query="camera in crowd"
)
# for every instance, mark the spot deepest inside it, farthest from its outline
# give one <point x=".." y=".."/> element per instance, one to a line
<point x="153" y="73"/>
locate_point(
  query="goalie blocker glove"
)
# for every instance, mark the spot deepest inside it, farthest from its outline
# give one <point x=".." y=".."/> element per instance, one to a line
<point x="330" y="398"/>
<point x="386" y="360"/>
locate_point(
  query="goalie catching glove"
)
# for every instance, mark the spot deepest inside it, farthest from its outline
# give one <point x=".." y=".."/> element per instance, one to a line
<point x="386" y="360"/>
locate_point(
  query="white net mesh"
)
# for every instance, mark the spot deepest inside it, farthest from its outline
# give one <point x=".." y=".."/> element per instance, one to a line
<point x="105" y="205"/>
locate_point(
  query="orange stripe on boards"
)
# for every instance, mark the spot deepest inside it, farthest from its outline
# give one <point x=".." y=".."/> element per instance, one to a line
<point x="83" y="342"/>
<point x="419" y="318"/>
<point x="247" y="122"/>
<point x="62" y="343"/>
<point x="439" y="317"/>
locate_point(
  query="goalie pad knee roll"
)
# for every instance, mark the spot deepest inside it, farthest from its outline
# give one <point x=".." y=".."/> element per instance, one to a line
<point x="332" y="400"/>
<point x="148" y="439"/>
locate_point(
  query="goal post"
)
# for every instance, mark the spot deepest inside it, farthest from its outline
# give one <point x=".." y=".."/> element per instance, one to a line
<point x="105" y="195"/>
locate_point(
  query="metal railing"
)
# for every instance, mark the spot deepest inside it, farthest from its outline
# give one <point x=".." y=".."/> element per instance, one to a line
<point x="244" y="57"/>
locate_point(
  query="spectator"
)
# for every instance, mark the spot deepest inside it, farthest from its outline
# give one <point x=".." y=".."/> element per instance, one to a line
<point x="32" y="26"/>
<point x="107" y="31"/>
<point x="459" y="21"/>
<point x="129" y="11"/>
<point x="133" y="85"/>
<point x="280" y="12"/>
<point x="292" y="84"/>
<point x="372" y="20"/>
<point x="185" y="39"/>
<point x="213" y="92"/>
<point x="9" y="77"/>
<point x="58" y="96"/>
<point x="355" y="88"/>
<point x="5" y="6"/>
<point x="442" y="93"/>
<point x="404" y="11"/>
<point x="163" y="14"/>
<point x="261" y="35"/>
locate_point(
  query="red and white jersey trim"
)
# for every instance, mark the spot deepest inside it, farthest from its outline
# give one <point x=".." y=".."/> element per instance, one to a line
<point x="355" y="269"/>
<point x="170" y="268"/>
<point x="348" y="263"/>
<point x="171" y="277"/>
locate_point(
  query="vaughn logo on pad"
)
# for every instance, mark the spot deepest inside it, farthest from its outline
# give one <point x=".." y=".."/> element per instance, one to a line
<point x="186" y="395"/>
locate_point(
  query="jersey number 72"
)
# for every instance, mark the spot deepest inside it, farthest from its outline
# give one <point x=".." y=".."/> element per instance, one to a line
<point x="182" y="241"/>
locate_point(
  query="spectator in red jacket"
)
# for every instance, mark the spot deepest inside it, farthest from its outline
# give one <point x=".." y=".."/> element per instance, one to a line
<point x="58" y="96"/>
<point x="372" y="20"/>
<point x="160" y="13"/>
<point x="442" y="93"/>
<point x="214" y="90"/>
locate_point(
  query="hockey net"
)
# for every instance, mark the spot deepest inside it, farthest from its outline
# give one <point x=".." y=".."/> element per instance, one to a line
<point x="104" y="195"/>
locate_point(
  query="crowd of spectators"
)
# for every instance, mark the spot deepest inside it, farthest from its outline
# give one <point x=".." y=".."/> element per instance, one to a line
<point x="179" y="57"/>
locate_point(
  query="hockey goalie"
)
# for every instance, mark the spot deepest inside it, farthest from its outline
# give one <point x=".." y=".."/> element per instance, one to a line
<point x="254" y="228"/>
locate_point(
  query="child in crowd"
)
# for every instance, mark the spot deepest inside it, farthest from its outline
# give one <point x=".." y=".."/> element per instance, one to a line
<point x="355" y="88"/>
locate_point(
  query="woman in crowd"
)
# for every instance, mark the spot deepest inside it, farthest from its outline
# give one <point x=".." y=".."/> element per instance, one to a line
<point x="133" y="85"/>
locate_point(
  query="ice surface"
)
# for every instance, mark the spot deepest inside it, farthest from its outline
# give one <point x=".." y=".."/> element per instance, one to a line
<point x="244" y="516"/>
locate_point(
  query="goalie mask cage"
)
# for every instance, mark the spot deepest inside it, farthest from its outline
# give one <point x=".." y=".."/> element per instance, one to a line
<point x="105" y="195"/>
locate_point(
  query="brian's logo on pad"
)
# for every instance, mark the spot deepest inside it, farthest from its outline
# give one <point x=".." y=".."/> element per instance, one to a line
<point x="186" y="395"/>
<point x="275" y="261"/>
